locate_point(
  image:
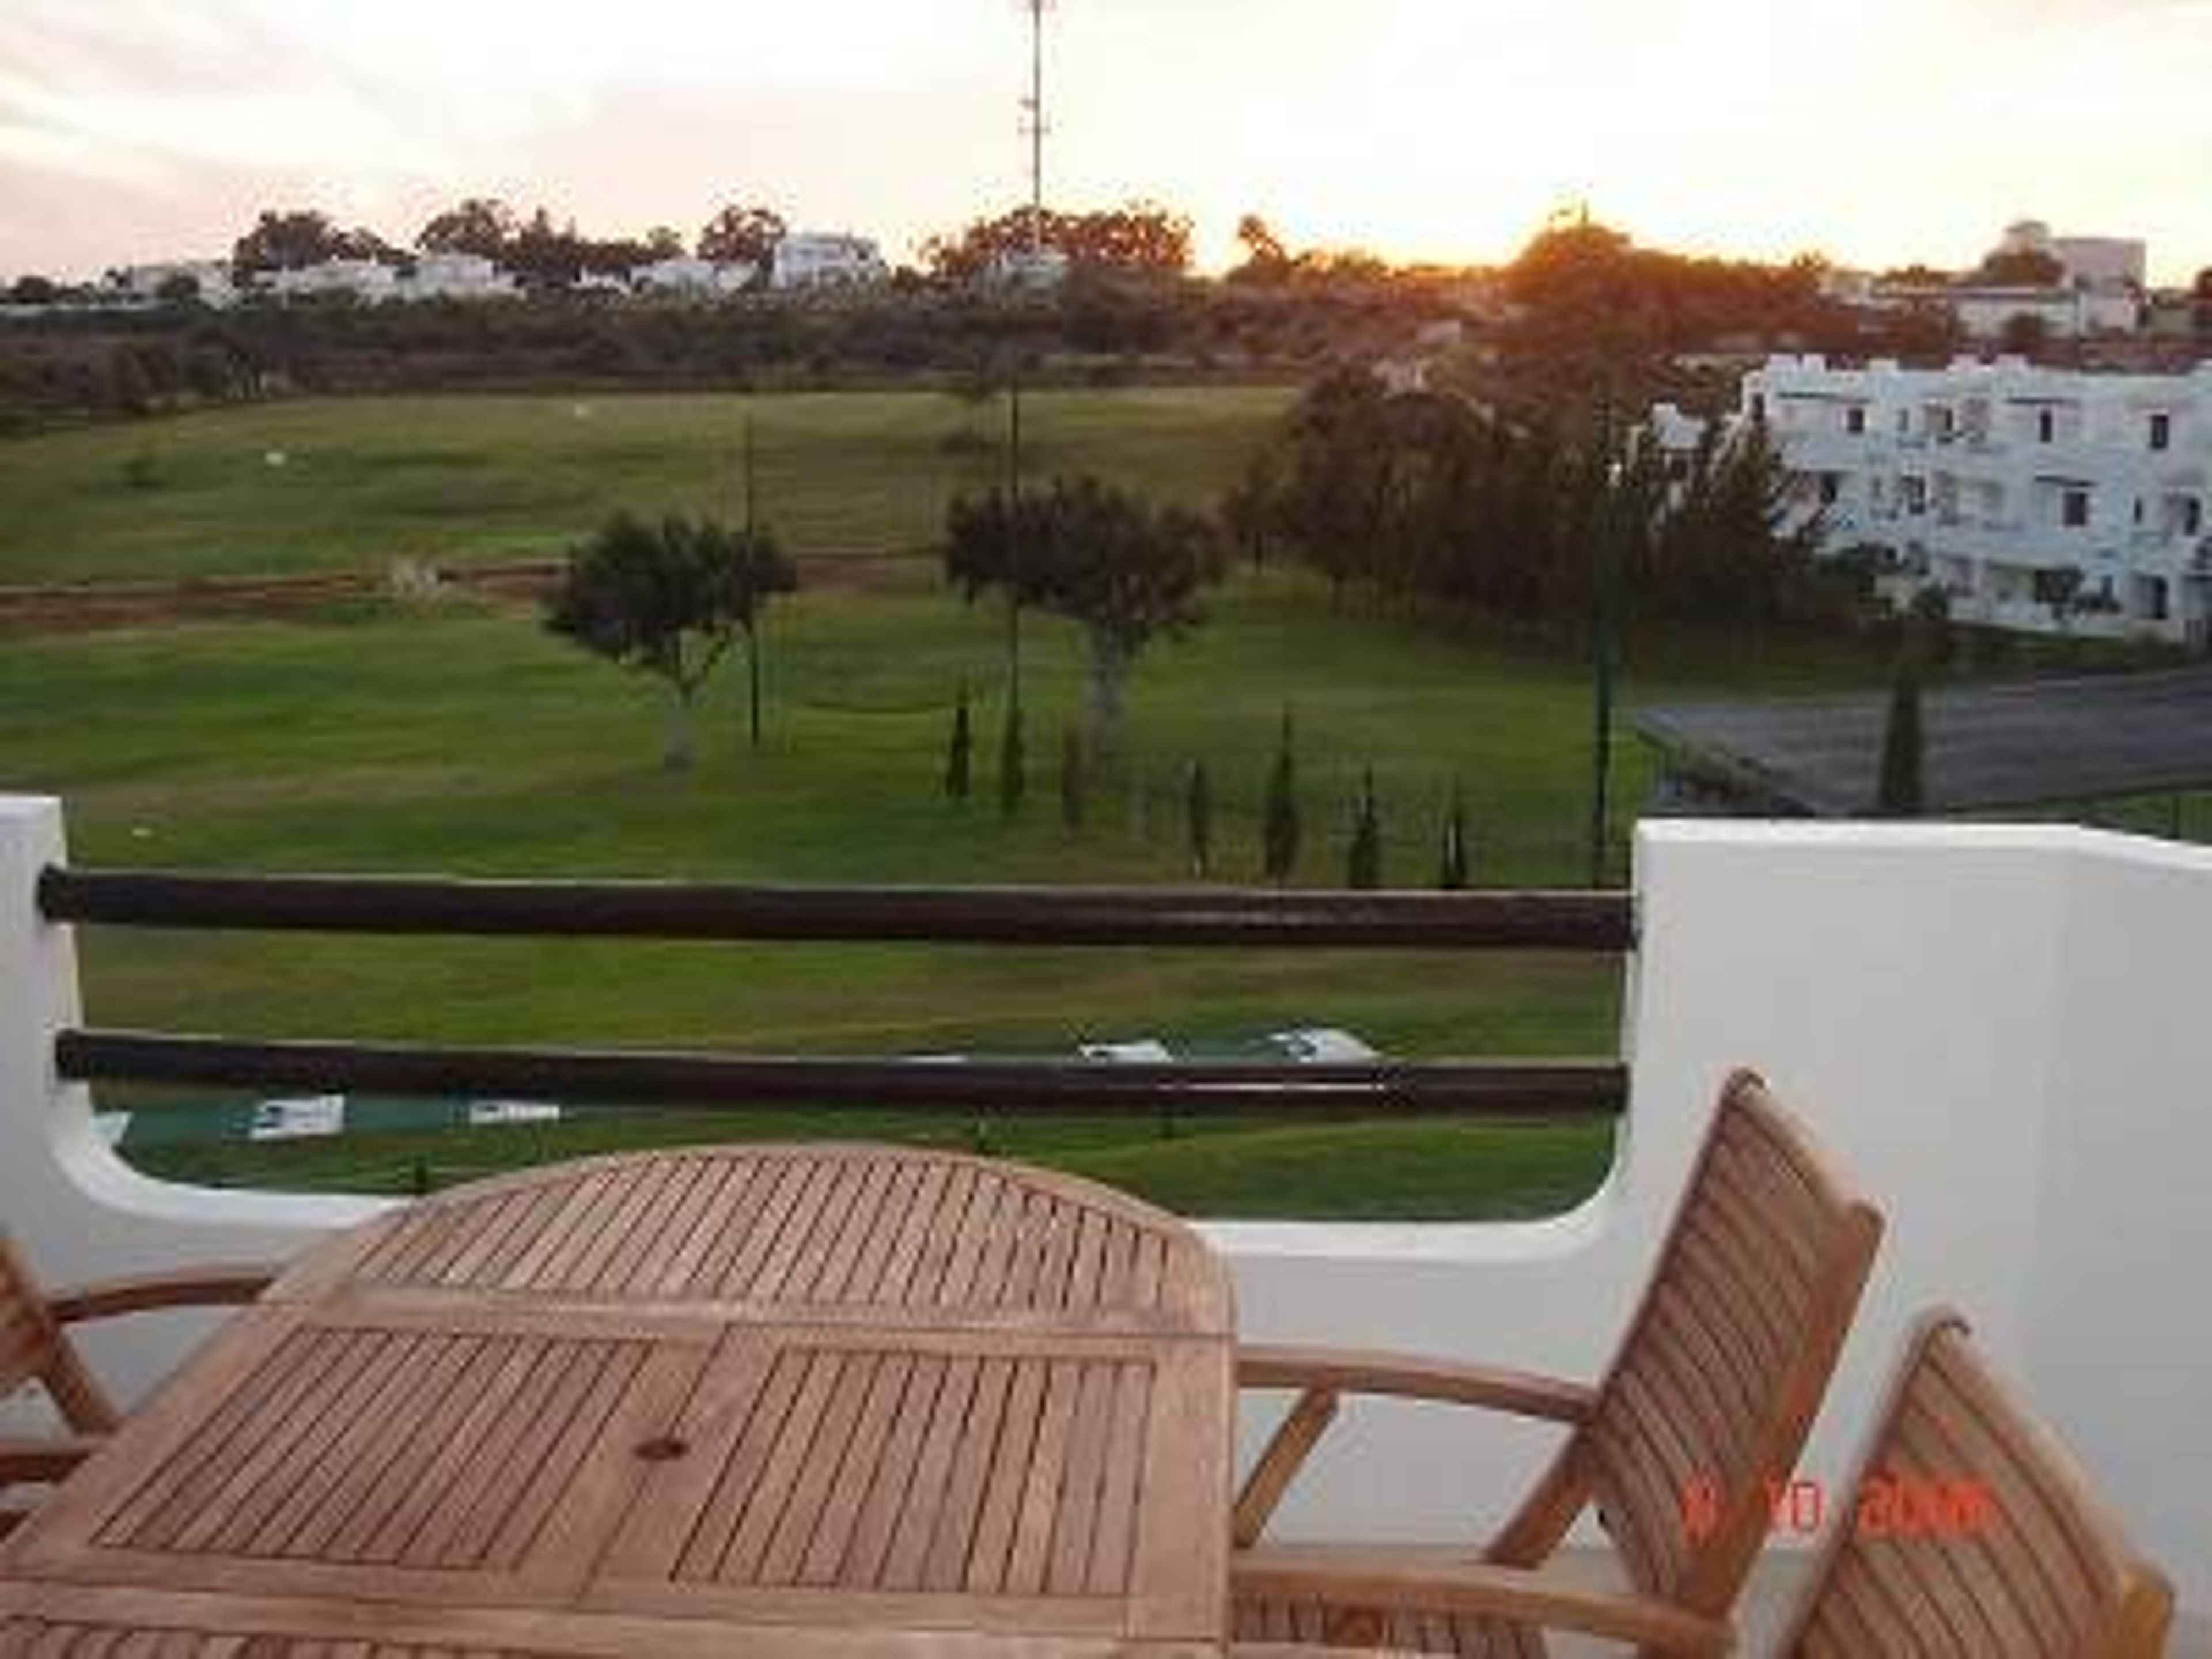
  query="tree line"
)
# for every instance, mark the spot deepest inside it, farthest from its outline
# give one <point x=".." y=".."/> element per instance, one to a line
<point x="1452" y="510"/>
<point x="1137" y="236"/>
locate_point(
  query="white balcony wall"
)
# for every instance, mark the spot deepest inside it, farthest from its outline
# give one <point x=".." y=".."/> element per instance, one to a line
<point x="1990" y="1026"/>
<point x="77" y="1209"/>
<point x="1993" y="1027"/>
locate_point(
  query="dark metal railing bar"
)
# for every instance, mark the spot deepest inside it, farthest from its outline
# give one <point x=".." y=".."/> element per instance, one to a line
<point x="1251" y="919"/>
<point x="602" y="1076"/>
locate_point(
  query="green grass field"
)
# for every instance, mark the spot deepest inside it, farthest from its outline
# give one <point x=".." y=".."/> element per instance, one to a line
<point x="369" y="480"/>
<point x="462" y="738"/>
<point x="457" y="736"/>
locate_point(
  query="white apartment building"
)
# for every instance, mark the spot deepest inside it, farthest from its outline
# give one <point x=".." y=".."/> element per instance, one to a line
<point x="2037" y="499"/>
<point x="820" y="259"/>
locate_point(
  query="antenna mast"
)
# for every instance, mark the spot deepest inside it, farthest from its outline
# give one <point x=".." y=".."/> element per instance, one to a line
<point x="1033" y="123"/>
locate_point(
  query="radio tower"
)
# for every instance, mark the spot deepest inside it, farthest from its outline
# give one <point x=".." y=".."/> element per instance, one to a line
<point x="1033" y="125"/>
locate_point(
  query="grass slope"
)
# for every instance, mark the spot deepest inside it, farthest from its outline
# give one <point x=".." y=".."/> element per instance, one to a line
<point x="368" y="480"/>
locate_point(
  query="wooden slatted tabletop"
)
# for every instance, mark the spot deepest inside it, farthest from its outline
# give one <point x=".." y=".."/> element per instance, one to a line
<point x="823" y="1399"/>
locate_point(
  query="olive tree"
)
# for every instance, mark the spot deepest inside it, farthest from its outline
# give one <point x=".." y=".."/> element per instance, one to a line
<point x="670" y="600"/>
<point x="1122" y="570"/>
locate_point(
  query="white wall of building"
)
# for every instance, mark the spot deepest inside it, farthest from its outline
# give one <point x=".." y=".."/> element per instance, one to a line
<point x="1988" y="313"/>
<point x="456" y="277"/>
<point x="368" y="280"/>
<point x="1993" y="1029"/>
<point x="818" y="259"/>
<point x="695" y="278"/>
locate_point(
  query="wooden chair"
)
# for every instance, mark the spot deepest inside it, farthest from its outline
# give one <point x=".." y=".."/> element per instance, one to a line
<point x="34" y="1343"/>
<point x="1710" y="1397"/>
<point x="1968" y="1533"/>
<point x="1969" y="1530"/>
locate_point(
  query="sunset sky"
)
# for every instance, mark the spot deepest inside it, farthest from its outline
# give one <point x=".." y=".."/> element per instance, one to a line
<point x="1877" y="132"/>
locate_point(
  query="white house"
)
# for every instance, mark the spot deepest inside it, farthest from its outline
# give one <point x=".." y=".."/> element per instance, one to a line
<point x="2037" y="499"/>
<point x="2099" y="290"/>
<point x="1986" y="311"/>
<point x="2089" y="262"/>
<point x="456" y="277"/>
<point x="217" y="282"/>
<point x="366" y="280"/>
<point x="821" y="260"/>
<point x="693" y="278"/>
<point x="1024" y="270"/>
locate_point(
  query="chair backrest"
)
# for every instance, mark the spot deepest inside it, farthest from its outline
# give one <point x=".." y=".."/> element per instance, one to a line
<point x="1721" y="1370"/>
<point x="1969" y="1529"/>
<point x="32" y="1345"/>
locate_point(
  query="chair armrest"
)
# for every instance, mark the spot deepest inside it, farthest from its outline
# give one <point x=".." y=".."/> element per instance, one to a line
<point x="1409" y="1377"/>
<point x="188" y="1287"/>
<point x="23" y="1458"/>
<point x="1434" y="1583"/>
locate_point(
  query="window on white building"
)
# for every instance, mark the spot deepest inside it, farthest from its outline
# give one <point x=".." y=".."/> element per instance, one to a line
<point x="2074" y="509"/>
<point x="2193" y="515"/>
<point x="1831" y="486"/>
<point x="1855" y="420"/>
<point x="2161" y="431"/>
<point x="2046" y="426"/>
<point x="1916" y="494"/>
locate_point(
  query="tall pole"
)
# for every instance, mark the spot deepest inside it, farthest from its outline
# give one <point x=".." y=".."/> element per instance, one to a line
<point x="1033" y="114"/>
<point x="751" y="478"/>
<point x="1034" y="107"/>
<point x="1604" y="624"/>
<point x="752" y="626"/>
<point x="1014" y="530"/>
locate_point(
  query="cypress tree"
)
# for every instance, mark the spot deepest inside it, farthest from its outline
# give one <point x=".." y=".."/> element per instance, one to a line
<point x="1451" y="870"/>
<point x="1903" y="790"/>
<point x="1280" y="827"/>
<point x="1198" y="819"/>
<point x="1071" y="779"/>
<point x="1013" y="769"/>
<point x="960" y="750"/>
<point x="1363" y="865"/>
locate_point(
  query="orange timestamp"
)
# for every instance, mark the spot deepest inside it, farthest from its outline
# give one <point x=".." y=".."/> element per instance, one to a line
<point x="1893" y="1505"/>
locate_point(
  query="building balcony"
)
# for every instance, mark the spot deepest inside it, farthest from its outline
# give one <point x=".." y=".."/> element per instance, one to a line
<point x="1992" y="1027"/>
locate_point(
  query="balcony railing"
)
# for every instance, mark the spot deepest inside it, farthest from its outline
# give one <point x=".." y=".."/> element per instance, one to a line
<point x="1124" y="917"/>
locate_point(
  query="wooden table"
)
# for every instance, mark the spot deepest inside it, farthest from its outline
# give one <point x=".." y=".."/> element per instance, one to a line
<point x="805" y="1401"/>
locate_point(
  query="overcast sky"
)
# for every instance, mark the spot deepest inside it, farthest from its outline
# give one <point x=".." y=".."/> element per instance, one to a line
<point x="1877" y="131"/>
